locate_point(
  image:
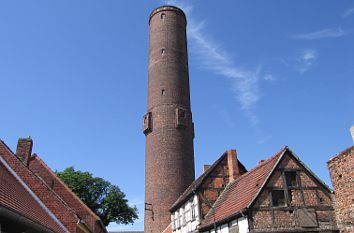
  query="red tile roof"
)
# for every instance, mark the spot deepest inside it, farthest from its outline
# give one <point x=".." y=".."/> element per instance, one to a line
<point x="240" y="194"/>
<point x="47" y="196"/>
<point x="17" y="197"/>
<point x="199" y="181"/>
<point x="38" y="166"/>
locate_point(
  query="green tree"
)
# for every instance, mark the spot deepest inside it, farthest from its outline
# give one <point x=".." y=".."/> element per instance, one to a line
<point x="105" y="199"/>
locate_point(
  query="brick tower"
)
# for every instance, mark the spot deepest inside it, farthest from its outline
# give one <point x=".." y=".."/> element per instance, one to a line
<point x="168" y="125"/>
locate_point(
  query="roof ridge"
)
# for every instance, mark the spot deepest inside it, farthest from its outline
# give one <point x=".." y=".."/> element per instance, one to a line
<point x="265" y="162"/>
<point x="36" y="156"/>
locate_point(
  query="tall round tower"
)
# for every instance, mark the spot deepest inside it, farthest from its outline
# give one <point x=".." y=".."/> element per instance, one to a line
<point x="168" y="124"/>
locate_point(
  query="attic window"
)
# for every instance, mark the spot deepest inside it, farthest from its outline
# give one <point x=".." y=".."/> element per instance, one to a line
<point x="291" y="179"/>
<point x="278" y="198"/>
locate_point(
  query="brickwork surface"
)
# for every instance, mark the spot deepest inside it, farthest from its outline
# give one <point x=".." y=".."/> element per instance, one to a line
<point x="49" y="198"/>
<point x="306" y="204"/>
<point x="53" y="181"/>
<point x="14" y="197"/>
<point x="168" y="126"/>
<point x="341" y="169"/>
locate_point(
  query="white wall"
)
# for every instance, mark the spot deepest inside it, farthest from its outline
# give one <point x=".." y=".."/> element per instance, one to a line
<point x="187" y="218"/>
<point x="242" y="224"/>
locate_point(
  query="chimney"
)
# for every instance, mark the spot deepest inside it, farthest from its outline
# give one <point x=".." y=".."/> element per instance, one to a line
<point x="232" y="164"/>
<point x="352" y="132"/>
<point x="24" y="149"/>
<point x="205" y="167"/>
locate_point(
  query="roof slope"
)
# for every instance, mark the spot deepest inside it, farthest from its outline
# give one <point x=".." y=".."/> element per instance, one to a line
<point x="47" y="196"/>
<point x="38" y="166"/>
<point x="239" y="194"/>
<point x="198" y="182"/>
<point x="15" y="195"/>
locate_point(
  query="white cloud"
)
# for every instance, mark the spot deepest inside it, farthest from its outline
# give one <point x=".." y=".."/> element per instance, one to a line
<point x="212" y="57"/>
<point x="306" y="60"/>
<point x="348" y="12"/>
<point x="325" y="33"/>
<point x="269" y="77"/>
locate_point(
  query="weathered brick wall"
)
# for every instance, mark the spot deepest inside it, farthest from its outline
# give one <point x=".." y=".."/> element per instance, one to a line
<point x="306" y="194"/>
<point x="341" y="169"/>
<point x="226" y="170"/>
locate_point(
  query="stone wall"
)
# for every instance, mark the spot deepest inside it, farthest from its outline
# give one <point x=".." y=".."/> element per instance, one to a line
<point x="341" y="169"/>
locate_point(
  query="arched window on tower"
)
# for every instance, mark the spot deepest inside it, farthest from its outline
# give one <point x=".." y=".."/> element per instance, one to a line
<point x="163" y="16"/>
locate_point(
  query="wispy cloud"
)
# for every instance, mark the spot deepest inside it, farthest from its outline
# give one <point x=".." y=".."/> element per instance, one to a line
<point x="348" y="12"/>
<point x="305" y="60"/>
<point x="325" y="33"/>
<point x="269" y="77"/>
<point x="211" y="56"/>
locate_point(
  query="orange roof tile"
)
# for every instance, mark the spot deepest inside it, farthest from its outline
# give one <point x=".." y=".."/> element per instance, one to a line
<point x="240" y="194"/>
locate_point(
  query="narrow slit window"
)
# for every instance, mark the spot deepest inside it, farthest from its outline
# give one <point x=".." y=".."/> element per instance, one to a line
<point x="163" y="92"/>
<point x="163" y="16"/>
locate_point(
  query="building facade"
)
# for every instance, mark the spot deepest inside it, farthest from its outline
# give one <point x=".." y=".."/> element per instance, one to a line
<point x="281" y="194"/>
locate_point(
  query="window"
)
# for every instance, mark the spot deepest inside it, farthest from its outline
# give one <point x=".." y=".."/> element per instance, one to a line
<point x="193" y="210"/>
<point x="291" y="179"/>
<point x="163" y="92"/>
<point x="278" y="198"/>
<point x="177" y="220"/>
<point x="163" y="16"/>
<point x="173" y="219"/>
<point x="183" y="218"/>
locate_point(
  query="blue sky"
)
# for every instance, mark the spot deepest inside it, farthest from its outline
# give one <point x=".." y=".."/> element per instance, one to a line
<point x="264" y="74"/>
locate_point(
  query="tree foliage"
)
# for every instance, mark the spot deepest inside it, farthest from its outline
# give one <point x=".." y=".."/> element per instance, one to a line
<point x="104" y="198"/>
